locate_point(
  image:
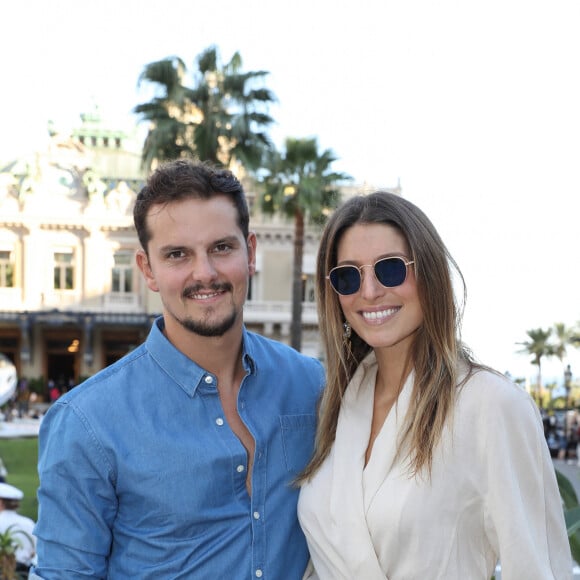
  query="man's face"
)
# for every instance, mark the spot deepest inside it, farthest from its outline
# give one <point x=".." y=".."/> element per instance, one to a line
<point x="200" y="263"/>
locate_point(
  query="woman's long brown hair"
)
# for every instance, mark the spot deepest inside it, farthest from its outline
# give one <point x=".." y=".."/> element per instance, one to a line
<point x="436" y="350"/>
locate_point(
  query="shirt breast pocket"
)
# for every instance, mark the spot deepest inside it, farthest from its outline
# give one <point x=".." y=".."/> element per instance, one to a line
<point x="298" y="433"/>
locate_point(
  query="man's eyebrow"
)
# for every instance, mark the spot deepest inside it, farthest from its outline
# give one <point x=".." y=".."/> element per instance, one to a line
<point x="171" y="248"/>
<point x="227" y="240"/>
<point x="233" y="240"/>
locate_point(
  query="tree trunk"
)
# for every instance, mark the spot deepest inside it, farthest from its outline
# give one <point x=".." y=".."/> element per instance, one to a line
<point x="296" y="322"/>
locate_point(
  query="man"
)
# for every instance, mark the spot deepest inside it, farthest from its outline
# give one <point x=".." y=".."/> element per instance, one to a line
<point x="20" y="526"/>
<point x="178" y="460"/>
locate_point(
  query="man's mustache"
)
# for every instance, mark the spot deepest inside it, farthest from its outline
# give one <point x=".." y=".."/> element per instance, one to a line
<point x="200" y="288"/>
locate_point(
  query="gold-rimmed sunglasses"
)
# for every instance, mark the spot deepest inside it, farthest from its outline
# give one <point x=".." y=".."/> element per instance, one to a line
<point x="390" y="272"/>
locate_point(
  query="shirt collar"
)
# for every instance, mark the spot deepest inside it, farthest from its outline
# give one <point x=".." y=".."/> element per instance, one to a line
<point x="248" y="352"/>
<point x="180" y="368"/>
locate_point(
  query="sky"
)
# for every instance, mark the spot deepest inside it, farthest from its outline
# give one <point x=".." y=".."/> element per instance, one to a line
<point x="473" y="107"/>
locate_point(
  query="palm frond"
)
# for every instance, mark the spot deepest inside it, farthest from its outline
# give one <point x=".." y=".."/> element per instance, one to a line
<point x="222" y="115"/>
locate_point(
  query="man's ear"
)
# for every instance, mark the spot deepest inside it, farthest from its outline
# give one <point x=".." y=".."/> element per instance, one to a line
<point x="252" y="243"/>
<point x="143" y="263"/>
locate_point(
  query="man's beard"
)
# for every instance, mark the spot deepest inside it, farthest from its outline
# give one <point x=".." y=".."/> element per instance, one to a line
<point x="208" y="329"/>
<point x="205" y="328"/>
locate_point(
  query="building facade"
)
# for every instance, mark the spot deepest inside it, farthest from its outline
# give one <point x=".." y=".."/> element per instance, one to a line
<point x="72" y="299"/>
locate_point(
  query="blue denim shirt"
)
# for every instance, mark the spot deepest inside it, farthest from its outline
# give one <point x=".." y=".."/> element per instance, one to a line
<point x="141" y="476"/>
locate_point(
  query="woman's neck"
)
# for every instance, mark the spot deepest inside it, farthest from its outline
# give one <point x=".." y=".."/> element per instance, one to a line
<point x="394" y="365"/>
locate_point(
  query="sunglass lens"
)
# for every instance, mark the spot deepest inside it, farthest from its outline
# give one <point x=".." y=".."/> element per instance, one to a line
<point x="391" y="272"/>
<point x="345" y="280"/>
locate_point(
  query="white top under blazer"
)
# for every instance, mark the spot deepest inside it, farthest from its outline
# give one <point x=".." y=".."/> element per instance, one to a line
<point x="492" y="495"/>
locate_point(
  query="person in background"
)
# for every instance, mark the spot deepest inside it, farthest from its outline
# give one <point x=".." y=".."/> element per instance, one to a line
<point x="177" y="460"/>
<point x="53" y="391"/>
<point x="577" y="427"/>
<point x="3" y="471"/>
<point x="427" y="464"/>
<point x="21" y="527"/>
<point x="23" y="398"/>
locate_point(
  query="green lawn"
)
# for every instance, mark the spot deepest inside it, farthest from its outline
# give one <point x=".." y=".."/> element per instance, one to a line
<point x="20" y="458"/>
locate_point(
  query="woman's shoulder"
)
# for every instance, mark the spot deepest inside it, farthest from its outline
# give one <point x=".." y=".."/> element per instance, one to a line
<point x="485" y="387"/>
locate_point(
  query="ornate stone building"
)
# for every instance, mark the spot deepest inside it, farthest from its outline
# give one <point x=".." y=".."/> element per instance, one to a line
<point x="71" y="297"/>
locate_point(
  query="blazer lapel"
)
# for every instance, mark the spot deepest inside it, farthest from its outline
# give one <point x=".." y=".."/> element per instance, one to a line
<point x="385" y="448"/>
<point x="348" y="455"/>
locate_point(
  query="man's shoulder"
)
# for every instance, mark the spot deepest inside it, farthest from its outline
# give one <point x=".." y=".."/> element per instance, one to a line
<point x="111" y="376"/>
<point x="261" y="346"/>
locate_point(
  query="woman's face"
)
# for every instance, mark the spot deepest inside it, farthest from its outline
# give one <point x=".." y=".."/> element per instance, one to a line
<point x="385" y="318"/>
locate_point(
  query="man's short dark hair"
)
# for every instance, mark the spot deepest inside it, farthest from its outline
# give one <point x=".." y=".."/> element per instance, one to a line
<point x="182" y="179"/>
<point x="10" y="504"/>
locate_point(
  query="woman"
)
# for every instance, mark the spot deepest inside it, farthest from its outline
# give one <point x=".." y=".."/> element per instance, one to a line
<point x="428" y="465"/>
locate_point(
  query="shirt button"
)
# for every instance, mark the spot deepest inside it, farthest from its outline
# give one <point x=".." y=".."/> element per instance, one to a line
<point x="240" y="468"/>
<point x="219" y="421"/>
<point x="208" y="380"/>
<point x="259" y="573"/>
<point x="256" y="515"/>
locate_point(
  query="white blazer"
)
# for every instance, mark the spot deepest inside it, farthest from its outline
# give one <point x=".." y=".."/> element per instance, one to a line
<point x="492" y="495"/>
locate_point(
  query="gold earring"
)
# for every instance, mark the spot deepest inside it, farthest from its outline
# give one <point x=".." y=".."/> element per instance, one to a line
<point x="347" y="331"/>
<point x="346" y="339"/>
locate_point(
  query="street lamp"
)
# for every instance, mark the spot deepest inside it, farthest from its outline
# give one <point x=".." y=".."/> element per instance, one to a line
<point x="568" y="384"/>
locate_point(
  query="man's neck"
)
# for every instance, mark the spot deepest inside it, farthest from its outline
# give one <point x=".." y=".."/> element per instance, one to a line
<point x="220" y="355"/>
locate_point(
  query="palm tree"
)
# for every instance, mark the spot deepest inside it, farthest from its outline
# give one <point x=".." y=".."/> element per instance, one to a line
<point x="234" y="107"/>
<point x="565" y="337"/>
<point x="563" y="340"/>
<point x="301" y="185"/>
<point x="575" y="336"/>
<point x="538" y="346"/>
<point x="221" y="118"/>
<point x="168" y="113"/>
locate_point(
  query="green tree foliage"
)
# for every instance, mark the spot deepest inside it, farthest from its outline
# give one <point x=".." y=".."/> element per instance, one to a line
<point x="221" y="117"/>
<point x="539" y="347"/>
<point x="10" y="540"/>
<point x="8" y="547"/>
<point x="571" y="513"/>
<point x="562" y="339"/>
<point x="544" y="343"/>
<point x="300" y="184"/>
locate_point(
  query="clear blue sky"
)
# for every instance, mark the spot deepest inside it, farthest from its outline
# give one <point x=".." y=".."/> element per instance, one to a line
<point x="475" y="107"/>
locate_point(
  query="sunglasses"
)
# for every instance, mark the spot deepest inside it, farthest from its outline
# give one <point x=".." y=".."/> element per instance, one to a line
<point x="390" y="272"/>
